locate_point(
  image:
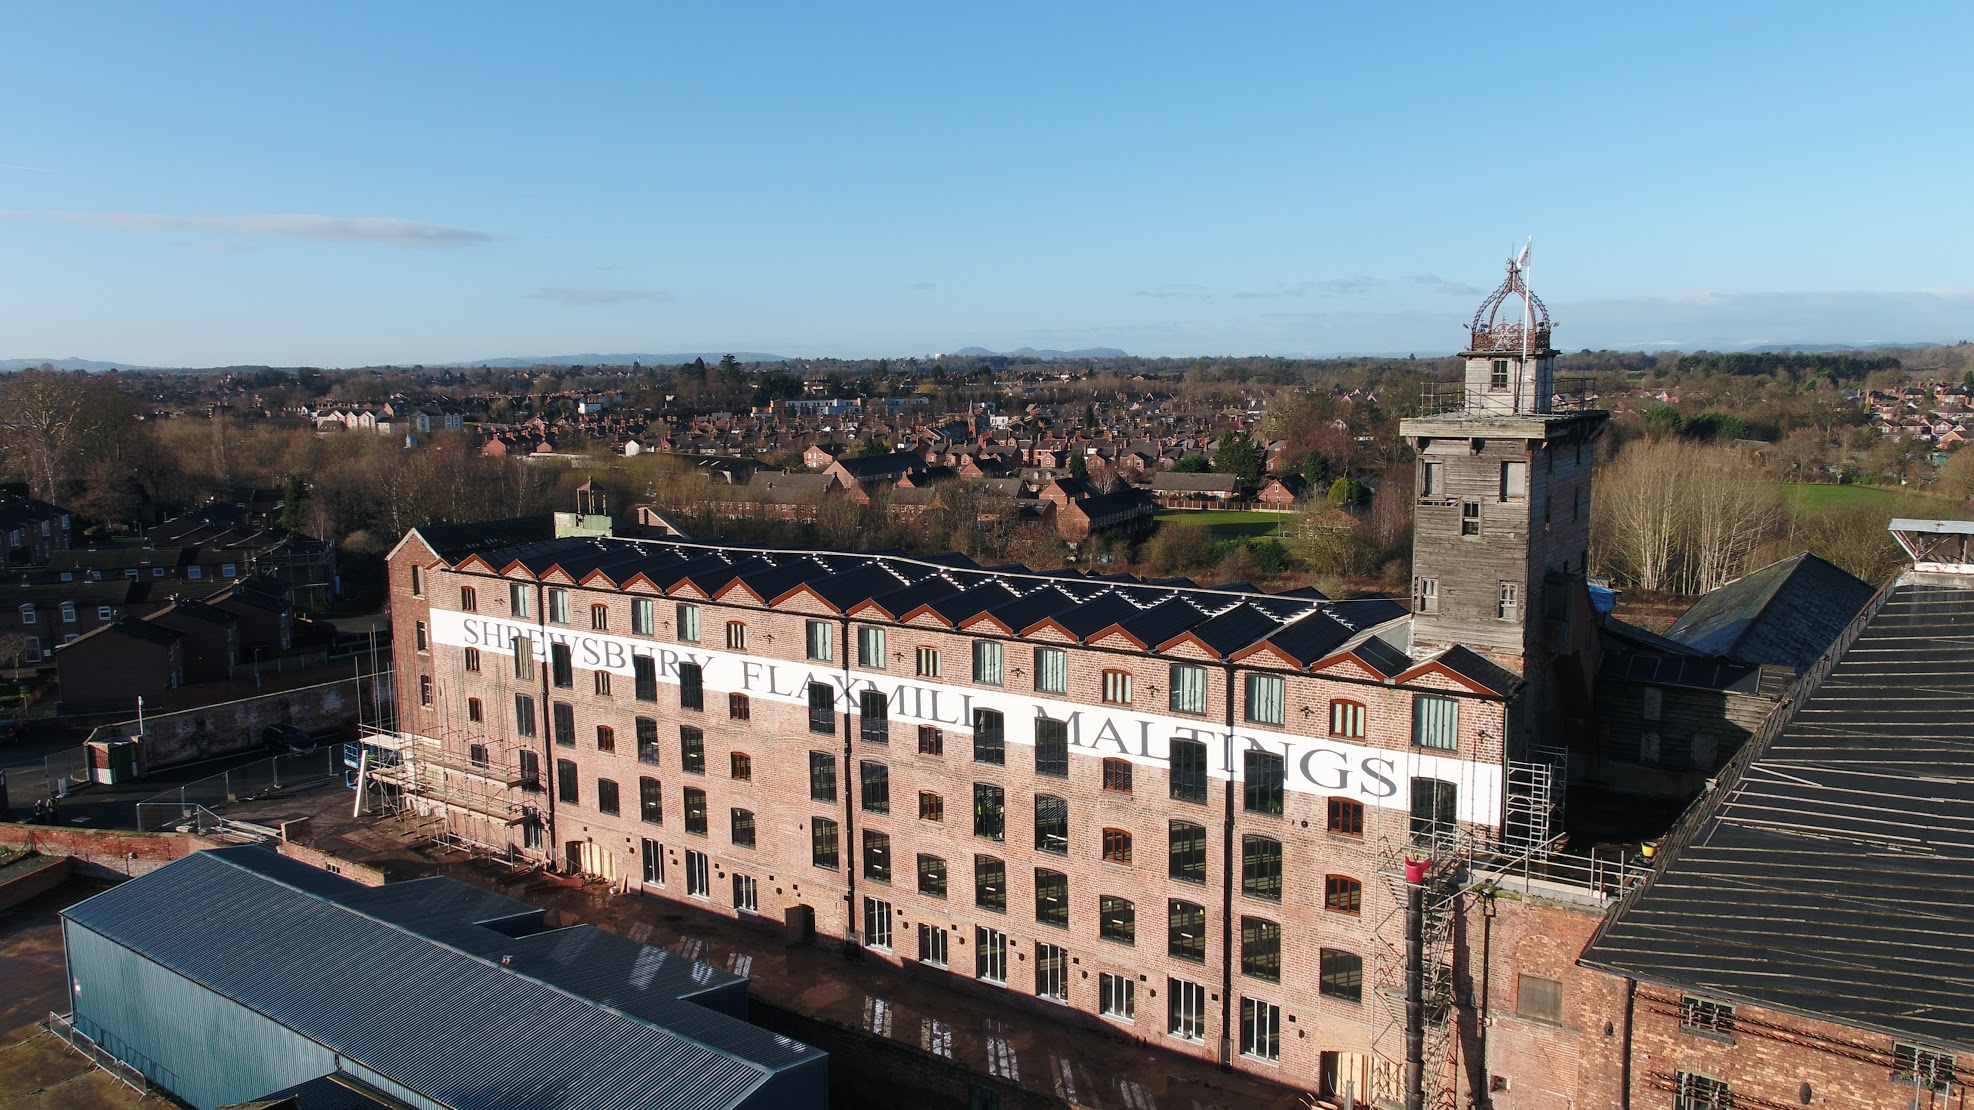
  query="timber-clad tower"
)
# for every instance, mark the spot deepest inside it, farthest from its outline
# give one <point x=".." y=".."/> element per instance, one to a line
<point x="1502" y="530"/>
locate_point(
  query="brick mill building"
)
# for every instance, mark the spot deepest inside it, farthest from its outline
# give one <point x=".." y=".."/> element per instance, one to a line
<point x="1312" y="839"/>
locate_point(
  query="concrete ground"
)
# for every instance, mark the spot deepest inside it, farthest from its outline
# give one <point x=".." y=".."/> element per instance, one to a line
<point x="1004" y="1041"/>
<point x="37" y="1070"/>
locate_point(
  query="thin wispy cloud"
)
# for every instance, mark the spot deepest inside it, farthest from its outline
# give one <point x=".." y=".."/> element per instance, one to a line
<point x="601" y="296"/>
<point x="922" y="286"/>
<point x="215" y="246"/>
<point x="1441" y="285"/>
<point x="1177" y="292"/>
<point x="312" y="228"/>
<point x="1334" y="287"/>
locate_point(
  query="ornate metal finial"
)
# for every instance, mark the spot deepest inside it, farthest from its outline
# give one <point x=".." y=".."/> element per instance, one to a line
<point x="1528" y="331"/>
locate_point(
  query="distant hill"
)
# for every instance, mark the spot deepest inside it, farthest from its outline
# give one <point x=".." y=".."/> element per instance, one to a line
<point x="12" y="364"/>
<point x="615" y="360"/>
<point x="1046" y="356"/>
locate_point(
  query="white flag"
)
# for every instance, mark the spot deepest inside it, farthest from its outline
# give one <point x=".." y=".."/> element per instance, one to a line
<point x="1521" y="263"/>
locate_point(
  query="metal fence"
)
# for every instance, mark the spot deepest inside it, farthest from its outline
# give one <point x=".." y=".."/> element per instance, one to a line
<point x="281" y="774"/>
<point x="152" y="1076"/>
<point x="43" y="779"/>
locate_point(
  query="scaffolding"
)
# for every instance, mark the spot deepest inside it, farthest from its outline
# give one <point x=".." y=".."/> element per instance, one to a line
<point x="468" y="785"/>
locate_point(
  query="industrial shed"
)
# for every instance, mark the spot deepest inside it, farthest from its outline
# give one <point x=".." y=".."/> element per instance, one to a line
<point x="234" y="974"/>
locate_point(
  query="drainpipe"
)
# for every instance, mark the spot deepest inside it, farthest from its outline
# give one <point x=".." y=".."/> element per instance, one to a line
<point x="545" y="731"/>
<point x="1624" y="1058"/>
<point x="846" y="848"/>
<point x="1228" y="922"/>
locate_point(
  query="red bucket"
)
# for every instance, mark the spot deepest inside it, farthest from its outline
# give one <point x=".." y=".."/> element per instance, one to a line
<point x="1415" y="869"/>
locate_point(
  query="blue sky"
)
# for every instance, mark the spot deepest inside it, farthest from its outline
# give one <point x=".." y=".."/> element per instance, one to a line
<point x="197" y="184"/>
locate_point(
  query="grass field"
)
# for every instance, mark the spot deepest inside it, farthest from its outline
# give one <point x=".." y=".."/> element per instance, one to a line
<point x="1891" y="500"/>
<point x="1227" y="524"/>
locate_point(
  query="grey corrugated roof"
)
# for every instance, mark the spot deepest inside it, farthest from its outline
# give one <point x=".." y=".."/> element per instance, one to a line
<point x="1787" y="613"/>
<point x="1835" y="877"/>
<point x="294" y="945"/>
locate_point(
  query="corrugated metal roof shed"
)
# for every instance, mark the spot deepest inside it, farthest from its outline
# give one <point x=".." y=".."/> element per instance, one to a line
<point x="398" y="989"/>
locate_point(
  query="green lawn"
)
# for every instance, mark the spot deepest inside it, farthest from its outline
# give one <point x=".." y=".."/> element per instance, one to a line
<point x="1227" y="524"/>
<point x="1891" y="500"/>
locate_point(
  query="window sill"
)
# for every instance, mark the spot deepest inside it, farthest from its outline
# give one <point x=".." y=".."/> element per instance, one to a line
<point x="1703" y="1034"/>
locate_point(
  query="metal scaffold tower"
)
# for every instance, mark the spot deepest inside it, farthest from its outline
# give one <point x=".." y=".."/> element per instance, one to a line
<point x="1412" y="975"/>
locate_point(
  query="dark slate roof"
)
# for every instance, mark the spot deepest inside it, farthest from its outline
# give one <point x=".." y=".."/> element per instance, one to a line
<point x="1684" y="670"/>
<point x="872" y="467"/>
<point x="1787" y="613"/>
<point x="1195" y="483"/>
<point x="1473" y="667"/>
<point x="1835" y="876"/>
<point x="567" y="1047"/>
<point x="156" y="634"/>
<point x="1227" y="619"/>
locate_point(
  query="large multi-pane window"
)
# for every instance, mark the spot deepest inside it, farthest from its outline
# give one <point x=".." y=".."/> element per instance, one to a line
<point x="644" y="616"/>
<point x="822" y="777"/>
<point x="653" y="857"/>
<point x="1117" y="687"/>
<point x="870" y="647"/>
<point x="524" y="716"/>
<point x="1347" y="719"/>
<point x="1188" y="688"/>
<point x="877" y="856"/>
<point x="987" y="662"/>
<point x="1117" y="775"/>
<point x="877" y="923"/>
<point x="647" y="740"/>
<point x="1051" y="670"/>
<point x="1117" y="919"/>
<point x="931" y="740"/>
<point x="698" y="877"/>
<point x="1340" y="974"/>
<point x="1051" y="897"/>
<point x="1188" y="851"/>
<point x="561" y="666"/>
<point x="746" y="894"/>
<point x="821" y="641"/>
<point x="606" y="796"/>
<point x="874" y="717"/>
<point x="990" y="811"/>
<point x="650" y="800"/>
<point x="1051" y="747"/>
<point x="1185" y="1010"/>
<point x="1189" y="771"/>
<point x="1343" y="894"/>
<point x="567" y="789"/>
<point x="931" y="875"/>
<point x="1261" y="1029"/>
<point x="875" y="779"/>
<point x="990" y="883"/>
<point x="1435" y="722"/>
<point x="989" y="736"/>
<point x="563" y="715"/>
<point x="1346" y="816"/>
<point x="931" y="806"/>
<point x="1267" y="699"/>
<point x="1117" y="996"/>
<point x="1261" y="782"/>
<point x="822" y="842"/>
<point x="1185" y="935"/>
<point x="1116" y="846"/>
<point x="932" y="940"/>
<point x="1435" y="809"/>
<point x="1051" y="824"/>
<point x="741" y="827"/>
<point x="822" y="708"/>
<point x="644" y="677"/>
<point x="692" y="750"/>
<point x="695" y="811"/>
<point x="687" y="621"/>
<point x="1261" y="867"/>
<point x="1261" y="948"/>
<point x="1694" y="1091"/>
<point x="520" y="600"/>
<point x="990" y="955"/>
<point x="1052" y="972"/>
<point x="692" y="687"/>
<point x="558" y="605"/>
<point x="524" y="659"/>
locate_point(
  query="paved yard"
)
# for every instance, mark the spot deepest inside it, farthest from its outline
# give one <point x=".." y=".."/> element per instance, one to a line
<point x="38" y="1071"/>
